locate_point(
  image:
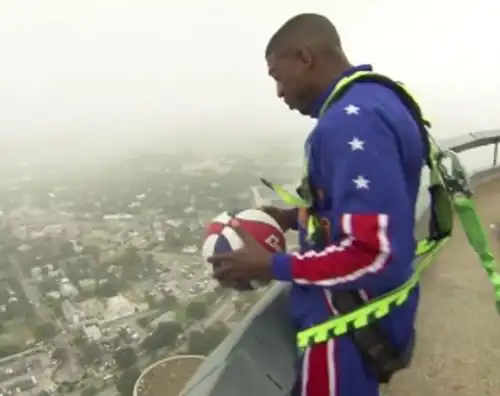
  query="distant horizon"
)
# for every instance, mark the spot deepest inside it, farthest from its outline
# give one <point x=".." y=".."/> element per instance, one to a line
<point x="121" y="70"/>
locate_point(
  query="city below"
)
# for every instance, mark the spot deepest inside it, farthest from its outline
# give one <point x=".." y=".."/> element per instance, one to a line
<point x="101" y="272"/>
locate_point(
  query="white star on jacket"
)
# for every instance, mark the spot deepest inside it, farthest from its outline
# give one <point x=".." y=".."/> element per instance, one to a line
<point x="356" y="144"/>
<point x="361" y="182"/>
<point x="351" y="110"/>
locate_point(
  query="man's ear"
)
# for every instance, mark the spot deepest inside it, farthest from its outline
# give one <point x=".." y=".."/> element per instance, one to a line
<point x="305" y="56"/>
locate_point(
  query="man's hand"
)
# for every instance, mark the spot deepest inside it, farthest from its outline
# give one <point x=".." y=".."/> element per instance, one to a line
<point x="286" y="218"/>
<point x="251" y="262"/>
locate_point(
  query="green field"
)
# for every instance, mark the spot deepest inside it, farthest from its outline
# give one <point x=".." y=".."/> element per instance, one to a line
<point x="15" y="332"/>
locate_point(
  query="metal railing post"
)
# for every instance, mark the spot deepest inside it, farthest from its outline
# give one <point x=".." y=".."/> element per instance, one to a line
<point x="495" y="153"/>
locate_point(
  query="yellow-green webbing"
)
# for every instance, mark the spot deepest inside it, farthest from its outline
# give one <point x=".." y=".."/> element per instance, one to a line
<point x="375" y="309"/>
<point x="471" y="223"/>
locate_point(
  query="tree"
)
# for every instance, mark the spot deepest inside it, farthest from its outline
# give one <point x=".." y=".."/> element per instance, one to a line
<point x="169" y="300"/>
<point x="152" y="301"/>
<point x="131" y="257"/>
<point x="59" y="354"/>
<point x="125" y="383"/>
<point x="165" y="335"/>
<point x="143" y="322"/>
<point x="108" y="289"/>
<point x="55" y="305"/>
<point x="66" y="250"/>
<point x="93" y="251"/>
<point x="196" y="310"/>
<point x="48" y="285"/>
<point x="204" y="342"/>
<point x="90" y="391"/>
<point x="125" y="358"/>
<point x="79" y="339"/>
<point x="45" y="331"/>
<point x="9" y="349"/>
<point x="130" y="263"/>
<point x="90" y="353"/>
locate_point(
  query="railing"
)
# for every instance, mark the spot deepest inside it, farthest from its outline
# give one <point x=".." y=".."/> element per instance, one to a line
<point x="257" y="357"/>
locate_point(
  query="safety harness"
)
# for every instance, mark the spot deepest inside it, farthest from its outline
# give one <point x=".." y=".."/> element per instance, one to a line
<point x="449" y="191"/>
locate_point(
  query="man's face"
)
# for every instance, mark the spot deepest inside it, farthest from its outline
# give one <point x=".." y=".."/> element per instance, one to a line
<point x="291" y="73"/>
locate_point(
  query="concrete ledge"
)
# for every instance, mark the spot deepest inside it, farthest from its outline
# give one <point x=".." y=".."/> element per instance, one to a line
<point x="257" y="356"/>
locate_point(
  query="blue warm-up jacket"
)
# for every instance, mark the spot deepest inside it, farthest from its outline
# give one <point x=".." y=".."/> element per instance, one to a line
<point x="365" y="157"/>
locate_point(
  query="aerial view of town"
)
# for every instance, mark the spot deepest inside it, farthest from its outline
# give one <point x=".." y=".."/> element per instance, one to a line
<point x="100" y="268"/>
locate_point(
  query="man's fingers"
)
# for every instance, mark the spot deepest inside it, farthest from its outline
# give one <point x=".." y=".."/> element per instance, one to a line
<point x="221" y="273"/>
<point x="226" y="274"/>
<point x="222" y="257"/>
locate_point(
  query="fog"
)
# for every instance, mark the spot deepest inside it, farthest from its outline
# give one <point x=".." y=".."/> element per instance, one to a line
<point x="113" y="74"/>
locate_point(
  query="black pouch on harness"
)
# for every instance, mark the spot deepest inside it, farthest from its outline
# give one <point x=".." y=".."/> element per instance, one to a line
<point x="381" y="356"/>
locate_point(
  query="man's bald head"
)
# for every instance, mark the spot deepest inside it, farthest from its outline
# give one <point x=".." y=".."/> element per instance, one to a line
<point x="314" y="31"/>
<point x="304" y="57"/>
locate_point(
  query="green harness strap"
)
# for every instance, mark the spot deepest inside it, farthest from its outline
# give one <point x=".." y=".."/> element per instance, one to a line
<point x="465" y="208"/>
<point x="450" y="192"/>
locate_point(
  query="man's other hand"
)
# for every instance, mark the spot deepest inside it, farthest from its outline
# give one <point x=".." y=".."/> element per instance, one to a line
<point x="286" y="218"/>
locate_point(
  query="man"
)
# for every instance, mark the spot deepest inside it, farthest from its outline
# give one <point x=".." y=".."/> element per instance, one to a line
<point x="365" y="156"/>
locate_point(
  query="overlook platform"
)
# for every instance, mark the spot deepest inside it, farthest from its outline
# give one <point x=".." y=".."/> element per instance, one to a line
<point x="458" y="347"/>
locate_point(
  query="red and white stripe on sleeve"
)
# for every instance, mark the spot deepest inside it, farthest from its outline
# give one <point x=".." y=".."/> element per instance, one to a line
<point x="364" y="250"/>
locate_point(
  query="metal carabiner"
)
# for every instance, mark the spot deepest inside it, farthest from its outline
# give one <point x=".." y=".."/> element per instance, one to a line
<point x="456" y="181"/>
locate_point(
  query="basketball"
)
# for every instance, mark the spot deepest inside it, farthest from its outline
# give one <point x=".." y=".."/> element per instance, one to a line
<point x="221" y="238"/>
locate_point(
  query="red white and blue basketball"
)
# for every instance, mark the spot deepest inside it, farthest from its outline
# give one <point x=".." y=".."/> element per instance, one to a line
<point x="221" y="238"/>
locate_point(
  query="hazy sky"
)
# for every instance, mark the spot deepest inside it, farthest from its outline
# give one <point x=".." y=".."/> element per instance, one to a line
<point x="113" y="69"/>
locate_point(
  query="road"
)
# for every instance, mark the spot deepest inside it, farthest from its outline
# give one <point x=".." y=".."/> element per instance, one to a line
<point x="27" y="352"/>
